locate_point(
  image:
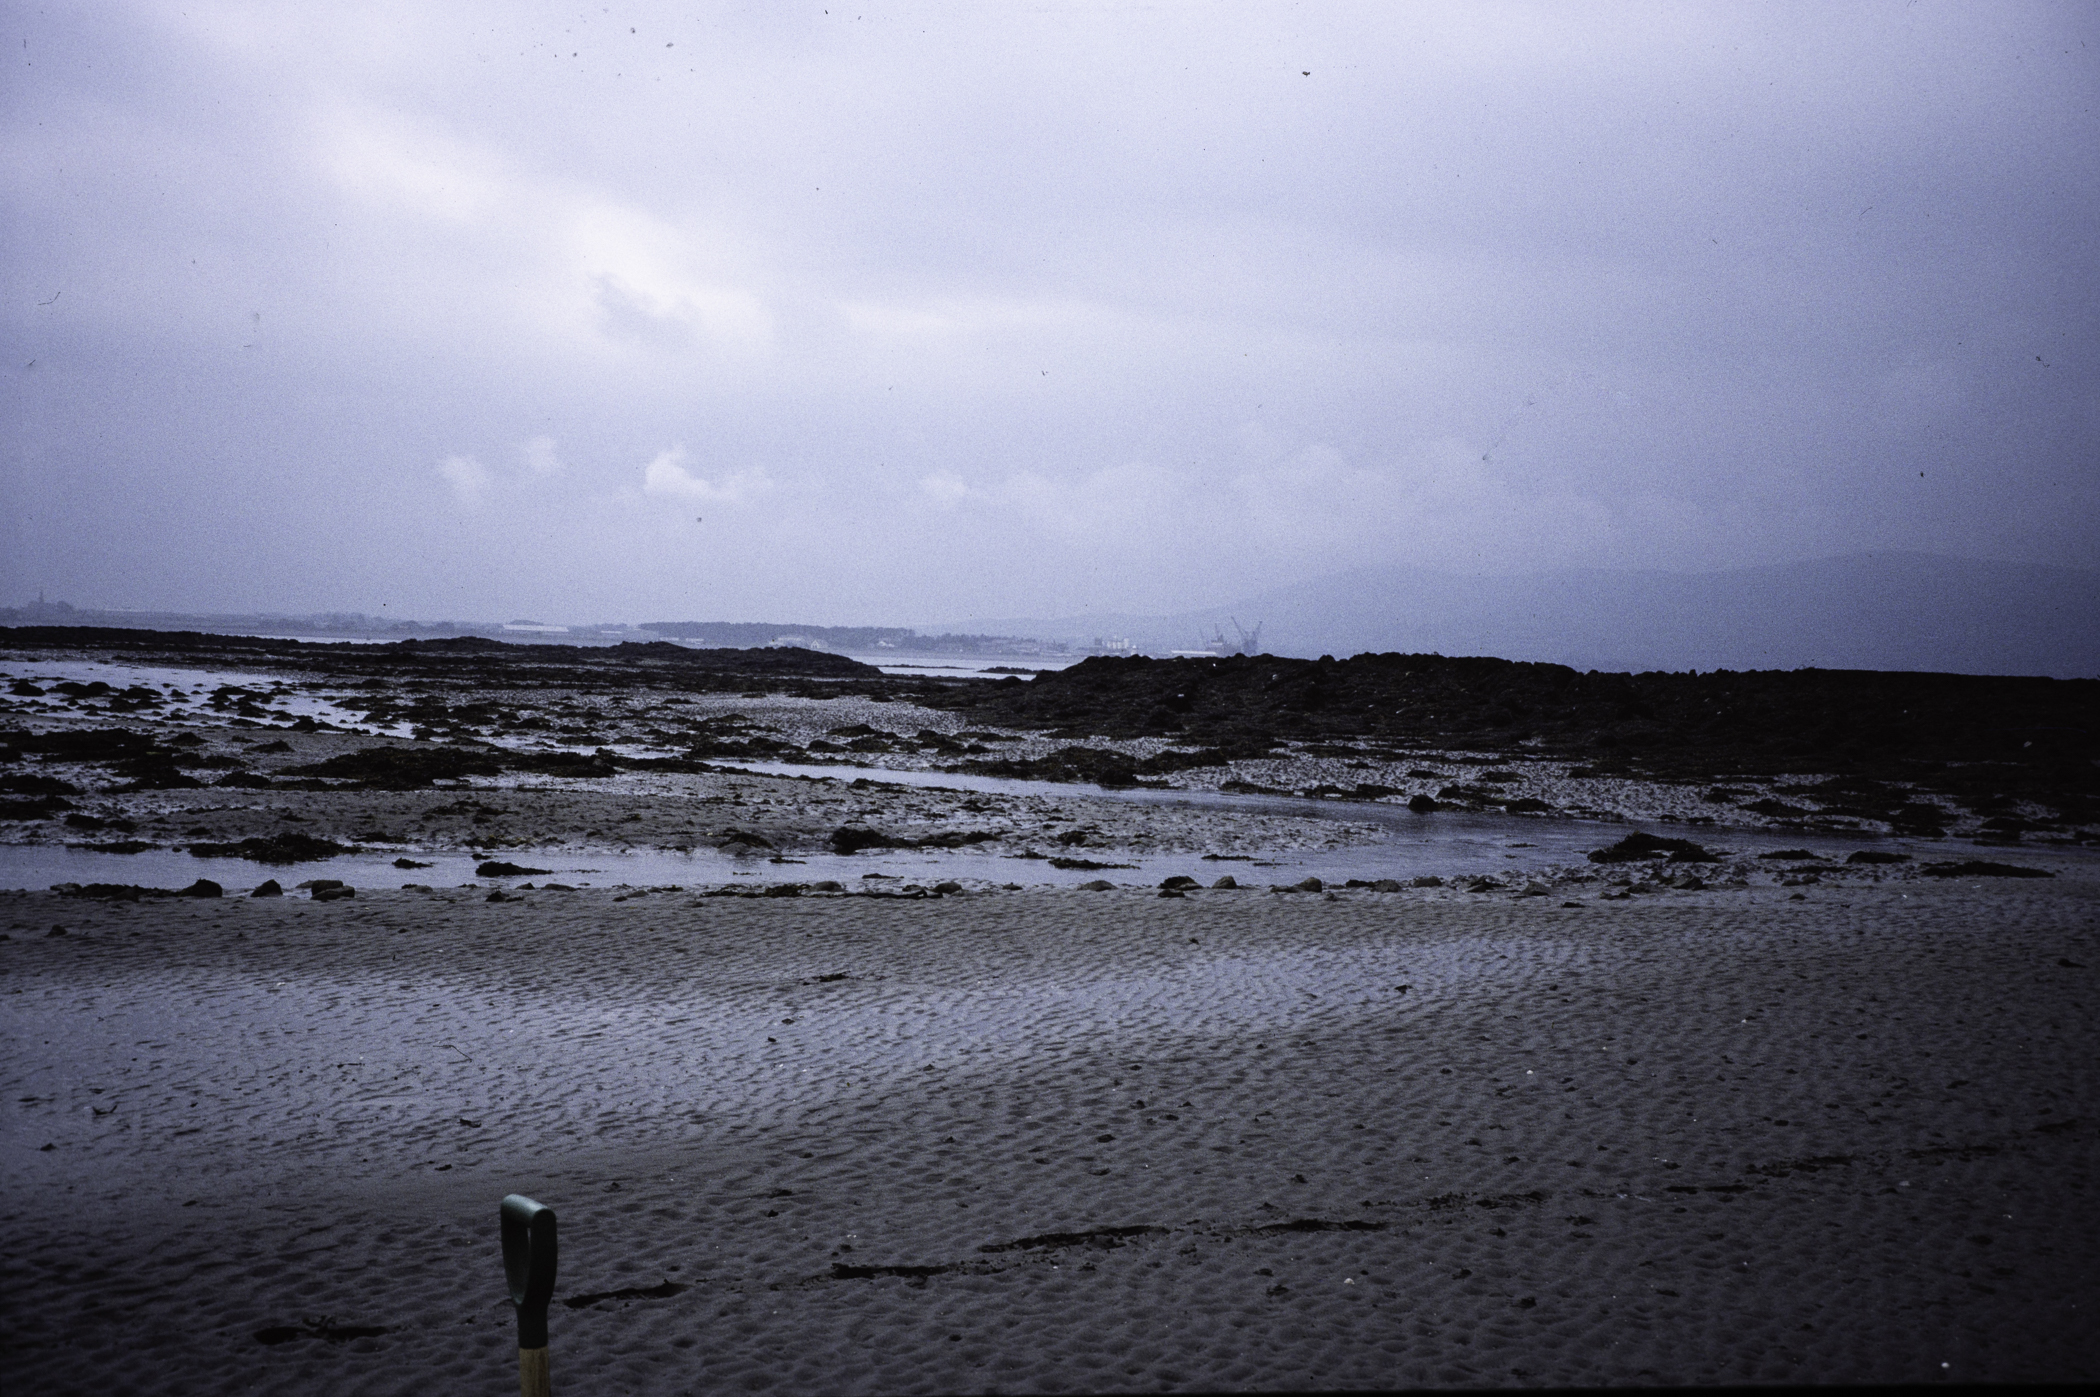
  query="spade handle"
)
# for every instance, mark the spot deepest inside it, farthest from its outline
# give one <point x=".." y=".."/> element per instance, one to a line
<point x="529" y="1255"/>
<point x="532" y="1373"/>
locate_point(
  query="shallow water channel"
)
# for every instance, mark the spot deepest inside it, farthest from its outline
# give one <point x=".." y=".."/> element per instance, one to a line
<point x="1408" y="845"/>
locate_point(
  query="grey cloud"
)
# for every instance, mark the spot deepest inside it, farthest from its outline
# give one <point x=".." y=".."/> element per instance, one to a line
<point x="1033" y="312"/>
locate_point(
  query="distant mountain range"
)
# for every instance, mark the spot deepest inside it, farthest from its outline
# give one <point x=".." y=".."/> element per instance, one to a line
<point x="1886" y="611"/>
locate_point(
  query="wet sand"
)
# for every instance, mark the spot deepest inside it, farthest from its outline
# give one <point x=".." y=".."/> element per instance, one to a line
<point x="1056" y="1141"/>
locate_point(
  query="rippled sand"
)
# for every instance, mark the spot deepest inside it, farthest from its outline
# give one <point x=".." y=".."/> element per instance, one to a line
<point x="1055" y="1141"/>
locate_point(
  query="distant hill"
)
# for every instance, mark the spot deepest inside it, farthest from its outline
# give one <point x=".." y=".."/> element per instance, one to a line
<point x="1888" y="611"/>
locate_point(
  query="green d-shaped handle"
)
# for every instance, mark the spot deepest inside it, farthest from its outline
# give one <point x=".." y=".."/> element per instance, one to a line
<point x="528" y="1264"/>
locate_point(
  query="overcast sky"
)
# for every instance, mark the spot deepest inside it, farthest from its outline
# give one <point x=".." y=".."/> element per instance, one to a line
<point x="885" y="313"/>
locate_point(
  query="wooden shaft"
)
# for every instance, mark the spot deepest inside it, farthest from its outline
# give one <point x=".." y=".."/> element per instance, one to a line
<point x="532" y="1373"/>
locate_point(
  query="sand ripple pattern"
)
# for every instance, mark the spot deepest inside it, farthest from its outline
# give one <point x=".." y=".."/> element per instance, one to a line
<point x="1053" y="1141"/>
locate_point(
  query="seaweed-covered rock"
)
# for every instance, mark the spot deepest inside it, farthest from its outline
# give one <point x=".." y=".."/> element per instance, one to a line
<point x="1919" y="817"/>
<point x="27" y="784"/>
<point x="155" y="774"/>
<point x="1111" y="770"/>
<point x="577" y="765"/>
<point x="88" y="744"/>
<point x="498" y="869"/>
<point x="131" y="892"/>
<point x="1983" y="868"/>
<point x="41" y="808"/>
<point x="276" y="848"/>
<point x="1640" y="845"/>
<point x="847" y="840"/>
<point x="403" y="768"/>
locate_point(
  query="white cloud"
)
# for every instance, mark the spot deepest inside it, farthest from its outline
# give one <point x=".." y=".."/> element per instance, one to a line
<point x="945" y="488"/>
<point x="944" y="316"/>
<point x="557" y="253"/>
<point x="667" y="478"/>
<point x="468" y="478"/>
<point x="540" y="456"/>
<point x="393" y="163"/>
<point x="656" y="283"/>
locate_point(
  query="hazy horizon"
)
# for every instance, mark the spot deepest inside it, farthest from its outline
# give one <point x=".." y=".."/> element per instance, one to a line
<point x="931" y="311"/>
<point x="1894" y="611"/>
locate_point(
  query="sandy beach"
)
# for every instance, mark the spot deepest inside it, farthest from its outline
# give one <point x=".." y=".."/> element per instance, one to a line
<point x="1055" y="1141"/>
<point x="918" y="1077"/>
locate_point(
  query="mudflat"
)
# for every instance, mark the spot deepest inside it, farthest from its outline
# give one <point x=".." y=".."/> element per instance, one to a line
<point x="1055" y="1141"/>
